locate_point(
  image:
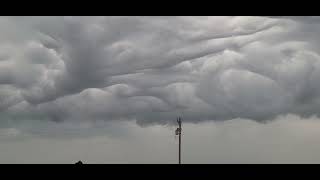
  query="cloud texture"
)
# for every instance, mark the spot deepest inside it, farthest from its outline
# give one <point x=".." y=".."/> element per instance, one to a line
<point x="151" y="69"/>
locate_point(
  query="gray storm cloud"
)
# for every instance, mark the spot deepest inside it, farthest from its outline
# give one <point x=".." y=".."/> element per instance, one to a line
<point x="151" y="69"/>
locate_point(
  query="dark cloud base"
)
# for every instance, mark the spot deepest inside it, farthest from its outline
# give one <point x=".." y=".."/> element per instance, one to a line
<point x="152" y="69"/>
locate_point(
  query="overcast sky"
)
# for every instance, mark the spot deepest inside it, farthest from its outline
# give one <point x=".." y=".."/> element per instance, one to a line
<point x="109" y="89"/>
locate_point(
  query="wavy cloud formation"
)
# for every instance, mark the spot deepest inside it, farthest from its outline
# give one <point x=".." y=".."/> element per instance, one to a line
<point x="151" y="69"/>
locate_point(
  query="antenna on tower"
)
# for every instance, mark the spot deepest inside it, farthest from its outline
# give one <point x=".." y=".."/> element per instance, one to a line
<point x="178" y="132"/>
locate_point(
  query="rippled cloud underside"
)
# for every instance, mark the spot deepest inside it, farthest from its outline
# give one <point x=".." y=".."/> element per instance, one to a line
<point x="152" y="69"/>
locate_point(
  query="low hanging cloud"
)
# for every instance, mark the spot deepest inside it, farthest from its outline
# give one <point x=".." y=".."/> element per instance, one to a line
<point x="152" y="69"/>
